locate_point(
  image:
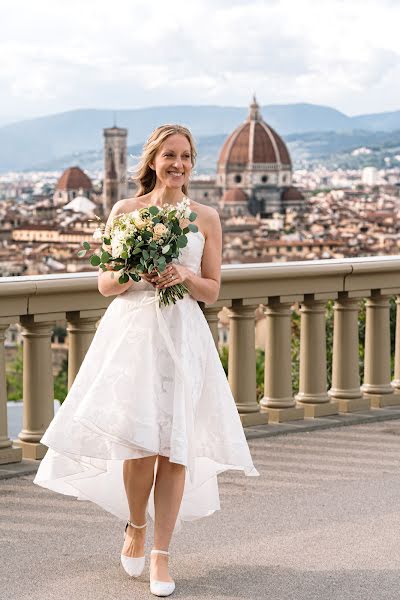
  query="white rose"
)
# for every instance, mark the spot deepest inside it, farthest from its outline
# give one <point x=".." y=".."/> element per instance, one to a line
<point x="116" y="248"/>
<point x="117" y="243"/>
<point x="97" y="235"/>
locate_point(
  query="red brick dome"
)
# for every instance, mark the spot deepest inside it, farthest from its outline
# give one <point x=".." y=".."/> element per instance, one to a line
<point x="254" y="142"/>
<point x="74" y="178"/>
<point x="292" y="193"/>
<point x="235" y="195"/>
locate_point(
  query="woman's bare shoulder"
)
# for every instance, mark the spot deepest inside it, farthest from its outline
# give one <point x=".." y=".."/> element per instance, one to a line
<point x="203" y="210"/>
<point x="208" y="218"/>
<point x="126" y="205"/>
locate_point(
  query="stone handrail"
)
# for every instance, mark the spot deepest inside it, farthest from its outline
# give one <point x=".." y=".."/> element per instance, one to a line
<point x="38" y="302"/>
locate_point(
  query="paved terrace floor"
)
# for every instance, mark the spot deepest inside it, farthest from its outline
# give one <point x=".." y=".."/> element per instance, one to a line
<point x="321" y="522"/>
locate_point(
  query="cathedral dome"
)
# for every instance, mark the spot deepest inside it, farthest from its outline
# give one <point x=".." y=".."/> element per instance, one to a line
<point x="292" y="193"/>
<point x="74" y="178"/>
<point x="235" y="195"/>
<point x="254" y="142"/>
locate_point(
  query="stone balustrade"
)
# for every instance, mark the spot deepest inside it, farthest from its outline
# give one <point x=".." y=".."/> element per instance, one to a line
<point x="39" y="302"/>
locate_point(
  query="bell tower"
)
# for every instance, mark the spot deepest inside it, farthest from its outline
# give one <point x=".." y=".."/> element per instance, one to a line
<point x="115" y="169"/>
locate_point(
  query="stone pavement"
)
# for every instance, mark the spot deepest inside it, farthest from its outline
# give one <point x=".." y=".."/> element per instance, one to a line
<point x="320" y="523"/>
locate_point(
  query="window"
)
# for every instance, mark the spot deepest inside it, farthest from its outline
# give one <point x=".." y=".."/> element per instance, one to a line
<point x="238" y="178"/>
<point x="264" y="178"/>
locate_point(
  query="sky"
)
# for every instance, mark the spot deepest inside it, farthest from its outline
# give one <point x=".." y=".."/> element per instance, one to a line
<point x="59" y="55"/>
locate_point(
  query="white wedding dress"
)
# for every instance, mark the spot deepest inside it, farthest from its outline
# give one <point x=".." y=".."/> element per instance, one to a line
<point x="151" y="383"/>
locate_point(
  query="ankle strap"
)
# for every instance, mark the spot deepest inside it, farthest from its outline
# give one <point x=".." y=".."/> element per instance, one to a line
<point x="137" y="526"/>
<point x="159" y="552"/>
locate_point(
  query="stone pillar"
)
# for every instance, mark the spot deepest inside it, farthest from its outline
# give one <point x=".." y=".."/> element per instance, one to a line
<point x="8" y="452"/>
<point x="313" y="394"/>
<point x="80" y="335"/>
<point x="242" y="363"/>
<point x="37" y="384"/>
<point x="211" y="314"/>
<point x="345" y="367"/>
<point x="377" y="373"/>
<point x="396" y="380"/>
<point x="278" y="399"/>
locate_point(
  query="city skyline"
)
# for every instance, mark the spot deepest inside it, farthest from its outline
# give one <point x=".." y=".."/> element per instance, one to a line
<point x="133" y="54"/>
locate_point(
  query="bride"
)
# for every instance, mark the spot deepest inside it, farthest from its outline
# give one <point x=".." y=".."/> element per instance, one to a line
<point x="150" y="420"/>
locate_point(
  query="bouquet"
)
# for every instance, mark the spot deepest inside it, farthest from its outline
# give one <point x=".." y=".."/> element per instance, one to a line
<point x="144" y="240"/>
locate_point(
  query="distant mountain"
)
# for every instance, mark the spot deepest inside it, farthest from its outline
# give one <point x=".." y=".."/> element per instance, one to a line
<point x="334" y="150"/>
<point x="50" y="138"/>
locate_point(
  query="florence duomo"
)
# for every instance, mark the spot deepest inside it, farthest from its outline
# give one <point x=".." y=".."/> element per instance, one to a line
<point x="253" y="173"/>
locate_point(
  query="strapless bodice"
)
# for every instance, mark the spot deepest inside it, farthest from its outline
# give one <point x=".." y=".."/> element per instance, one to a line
<point x="190" y="256"/>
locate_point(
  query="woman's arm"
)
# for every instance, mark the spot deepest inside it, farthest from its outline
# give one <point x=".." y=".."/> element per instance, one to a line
<point x="107" y="283"/>
<point x="205" y="288"/>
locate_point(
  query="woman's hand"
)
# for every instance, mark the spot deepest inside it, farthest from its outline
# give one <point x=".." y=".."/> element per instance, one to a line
<point x="173" y="273"/>
<point x="148" y="277"/>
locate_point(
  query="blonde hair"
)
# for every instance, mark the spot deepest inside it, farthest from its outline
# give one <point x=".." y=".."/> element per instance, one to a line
<point x="145" y="176"/>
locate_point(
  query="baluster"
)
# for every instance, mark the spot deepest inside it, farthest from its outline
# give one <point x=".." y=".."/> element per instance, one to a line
<point x="377" y="373"/>
<point x="345" y="368"/>
<point x="242" y="363"/>
<point x="211" y="314"/>
<point x="8" y="452"/>
<point x="38" y="387"/>
<point x="396" y="381"/>
<point x="81" y="327"/>
<point x="278" y="399"/>
<point x="313" y="394"/>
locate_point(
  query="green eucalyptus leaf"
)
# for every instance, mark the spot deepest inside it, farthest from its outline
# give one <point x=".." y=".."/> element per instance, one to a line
<point x="182" y="241"/>
<point x="134" y="276"/>
<point x="86" y="245"/>
<point x="95" y="260"/>
<point x="81" y="253"/>
<point x="124" y="278"/>
<point x="105" y="257"/>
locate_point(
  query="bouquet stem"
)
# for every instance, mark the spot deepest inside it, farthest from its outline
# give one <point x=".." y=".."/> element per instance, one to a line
<point x="171" y="294"/>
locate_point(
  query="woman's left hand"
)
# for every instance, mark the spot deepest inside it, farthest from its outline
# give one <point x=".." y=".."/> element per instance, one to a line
<point x="173" y="273"/>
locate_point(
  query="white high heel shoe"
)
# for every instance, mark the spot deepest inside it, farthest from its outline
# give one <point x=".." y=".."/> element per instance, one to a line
<point x="133" y="566"/>
<point x="161" y="588"/>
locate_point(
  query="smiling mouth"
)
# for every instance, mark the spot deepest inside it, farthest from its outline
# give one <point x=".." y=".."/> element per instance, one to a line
<point x="175" y="173"/>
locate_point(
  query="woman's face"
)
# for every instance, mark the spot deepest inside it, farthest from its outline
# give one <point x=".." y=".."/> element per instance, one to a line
<point x="172" y="162"/>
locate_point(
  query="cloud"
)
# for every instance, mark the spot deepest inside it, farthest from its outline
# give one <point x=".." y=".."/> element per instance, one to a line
<point x="59" y="56"/>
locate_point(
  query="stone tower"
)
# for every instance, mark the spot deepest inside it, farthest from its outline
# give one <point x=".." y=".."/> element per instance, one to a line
<point x="115" y="170"/>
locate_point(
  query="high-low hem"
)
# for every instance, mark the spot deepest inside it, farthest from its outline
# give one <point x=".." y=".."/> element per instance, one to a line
<point x="151" y="383"/>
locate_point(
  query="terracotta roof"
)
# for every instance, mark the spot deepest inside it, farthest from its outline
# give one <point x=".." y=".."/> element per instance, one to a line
<point x="292" y="193"/>
<point x="234" y="195"/>
<point x="254" y="142"/>
<point x="74" y="178"/>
